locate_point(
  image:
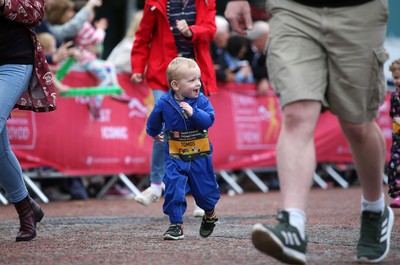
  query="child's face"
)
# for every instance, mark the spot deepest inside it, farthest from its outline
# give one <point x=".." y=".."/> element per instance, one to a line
<point x="52" y="47"/>
<point x="396" y="79"/>
<point x="188" y="85"/>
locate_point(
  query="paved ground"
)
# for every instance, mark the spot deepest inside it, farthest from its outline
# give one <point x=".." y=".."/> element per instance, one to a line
<point x="124" y="232"/>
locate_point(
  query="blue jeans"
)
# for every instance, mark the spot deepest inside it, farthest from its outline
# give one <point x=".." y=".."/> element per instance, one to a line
<point x="157" y="164"/>
<point x="14" y="80"/>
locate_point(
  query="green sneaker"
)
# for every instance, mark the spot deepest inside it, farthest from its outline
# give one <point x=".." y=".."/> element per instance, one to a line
<point x="283" y="242"/>
<point x="207" y="226"/>
<point x="174" y="232"/>
<point x="374" y="243"/>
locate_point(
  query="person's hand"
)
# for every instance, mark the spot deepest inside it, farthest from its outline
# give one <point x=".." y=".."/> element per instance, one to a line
<point x="187" y="108"/>
<point x="93" y="3"/>
<point x="75" y="52"/>
<point x="184" y="29"/>
<point x="64" y="51"/>
<point x="397" y="120"/>
<point x="229" y="75"/>
<point x="102" y="23"/>
<point x="246" y="71"/>
<point x="137" y="78"/>
<point x="263" y="87"/>
<point x="239" y="15"/>
<point x="60" y="86"/>
<point x="159" y="137"/>
<point x="94" y="49"/>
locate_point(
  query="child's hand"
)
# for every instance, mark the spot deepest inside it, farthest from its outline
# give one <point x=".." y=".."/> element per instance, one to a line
<point x="63" y="52"/>
<point x="397" y="120"/>
<point x="93" y="3"/>
<point x="187" y="108"/>
<point x="102" y="23"/>
<point x="137" y="78"/>
<point x="184" y="28"/>
<point x="62" y="87"/>
<point x="159" y="137"/>
<point x="246" y="70"/>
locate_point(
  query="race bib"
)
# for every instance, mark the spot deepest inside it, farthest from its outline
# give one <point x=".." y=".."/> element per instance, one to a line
<point x="188" y="145"/>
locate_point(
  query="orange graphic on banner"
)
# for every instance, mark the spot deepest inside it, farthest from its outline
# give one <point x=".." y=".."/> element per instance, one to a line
<point x="273" y="125"/>
<point x="149" y="103"/>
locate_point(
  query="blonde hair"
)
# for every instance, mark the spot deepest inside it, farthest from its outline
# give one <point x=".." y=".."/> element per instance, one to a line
<point x="47" y="41"/>
<point x="54" y="14"/>
<point x="395" y="65"/>
<point x="177" y="66"/>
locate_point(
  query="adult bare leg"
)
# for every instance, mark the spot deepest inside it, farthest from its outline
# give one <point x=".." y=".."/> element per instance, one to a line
<point x="365" y="140"/>
<point x="296" y="164"/>
<point x="296" y="159"/>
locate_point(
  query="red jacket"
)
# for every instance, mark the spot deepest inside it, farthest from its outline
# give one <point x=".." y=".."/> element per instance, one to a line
<point x="155" y="46"/>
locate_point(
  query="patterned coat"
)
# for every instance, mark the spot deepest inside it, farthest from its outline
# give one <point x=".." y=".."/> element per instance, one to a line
<point x="393" y="167"/>
<point x="41" y="94"/>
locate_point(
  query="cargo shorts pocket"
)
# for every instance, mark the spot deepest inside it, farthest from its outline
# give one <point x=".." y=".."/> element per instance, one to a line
<point x="378" y="79"/>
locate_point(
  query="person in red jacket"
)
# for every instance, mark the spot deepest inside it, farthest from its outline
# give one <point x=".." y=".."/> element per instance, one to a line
<point x="171" y="28"/>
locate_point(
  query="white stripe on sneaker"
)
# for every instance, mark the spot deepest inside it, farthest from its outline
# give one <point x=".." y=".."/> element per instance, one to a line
<point x="291" y="238"/>
<point x="384" y="234"/>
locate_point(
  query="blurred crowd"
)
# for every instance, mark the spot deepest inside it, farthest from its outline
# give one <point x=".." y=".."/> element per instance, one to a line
<point x="72" y="30"/>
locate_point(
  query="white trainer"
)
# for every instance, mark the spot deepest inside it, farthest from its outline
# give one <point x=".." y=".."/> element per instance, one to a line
<point x="147" y="197"/>
<point x="197" y="212"/>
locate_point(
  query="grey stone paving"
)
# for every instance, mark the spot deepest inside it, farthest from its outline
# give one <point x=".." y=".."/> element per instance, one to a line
<point x="123" y="232"/>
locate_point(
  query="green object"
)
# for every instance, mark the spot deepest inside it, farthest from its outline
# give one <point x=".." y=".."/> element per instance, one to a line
<point x="65" y="68"/>
<point x="91" y="91"/>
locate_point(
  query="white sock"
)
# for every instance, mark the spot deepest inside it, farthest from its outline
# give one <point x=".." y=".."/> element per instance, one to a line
<point x="157" y="187"/>
<point x="376" y="206"/>
<point x="297" y="218"/>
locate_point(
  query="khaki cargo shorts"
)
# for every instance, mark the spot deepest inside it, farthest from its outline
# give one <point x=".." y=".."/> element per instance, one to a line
<point x="331" y="55"/>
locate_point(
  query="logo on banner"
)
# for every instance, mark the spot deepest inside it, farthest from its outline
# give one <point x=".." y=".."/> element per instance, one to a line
<point x="137" y="109"/>
<point x="22" y="129"/>
<point x="135" y="160"/>
<point x="256" y="122"/>
<point x="90" y="160"/>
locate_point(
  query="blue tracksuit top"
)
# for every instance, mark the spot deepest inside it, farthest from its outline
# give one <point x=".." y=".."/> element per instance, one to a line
<point x="180" y="176"/>
<point x="166" y="110"/>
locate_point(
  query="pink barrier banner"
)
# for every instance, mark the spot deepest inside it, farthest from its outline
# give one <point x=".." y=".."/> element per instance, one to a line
<point x="244" y="134"/>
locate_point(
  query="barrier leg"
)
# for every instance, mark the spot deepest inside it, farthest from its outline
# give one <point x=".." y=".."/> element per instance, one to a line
<point x="231" y="182"/>
<point x="342" y="182"/>
<point x="35" y="188"/>
<point x="111" y="182"/>
<point x="106" y="187"/>
<point x="317" y="178"/>
<point x="129" y="184"/>
<point x="385" y="179"/>
<point x="3" y="199"/>
<point x="256" y="180"/>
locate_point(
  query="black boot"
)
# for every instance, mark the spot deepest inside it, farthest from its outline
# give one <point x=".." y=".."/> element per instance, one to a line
<point x="29" y="213"/>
